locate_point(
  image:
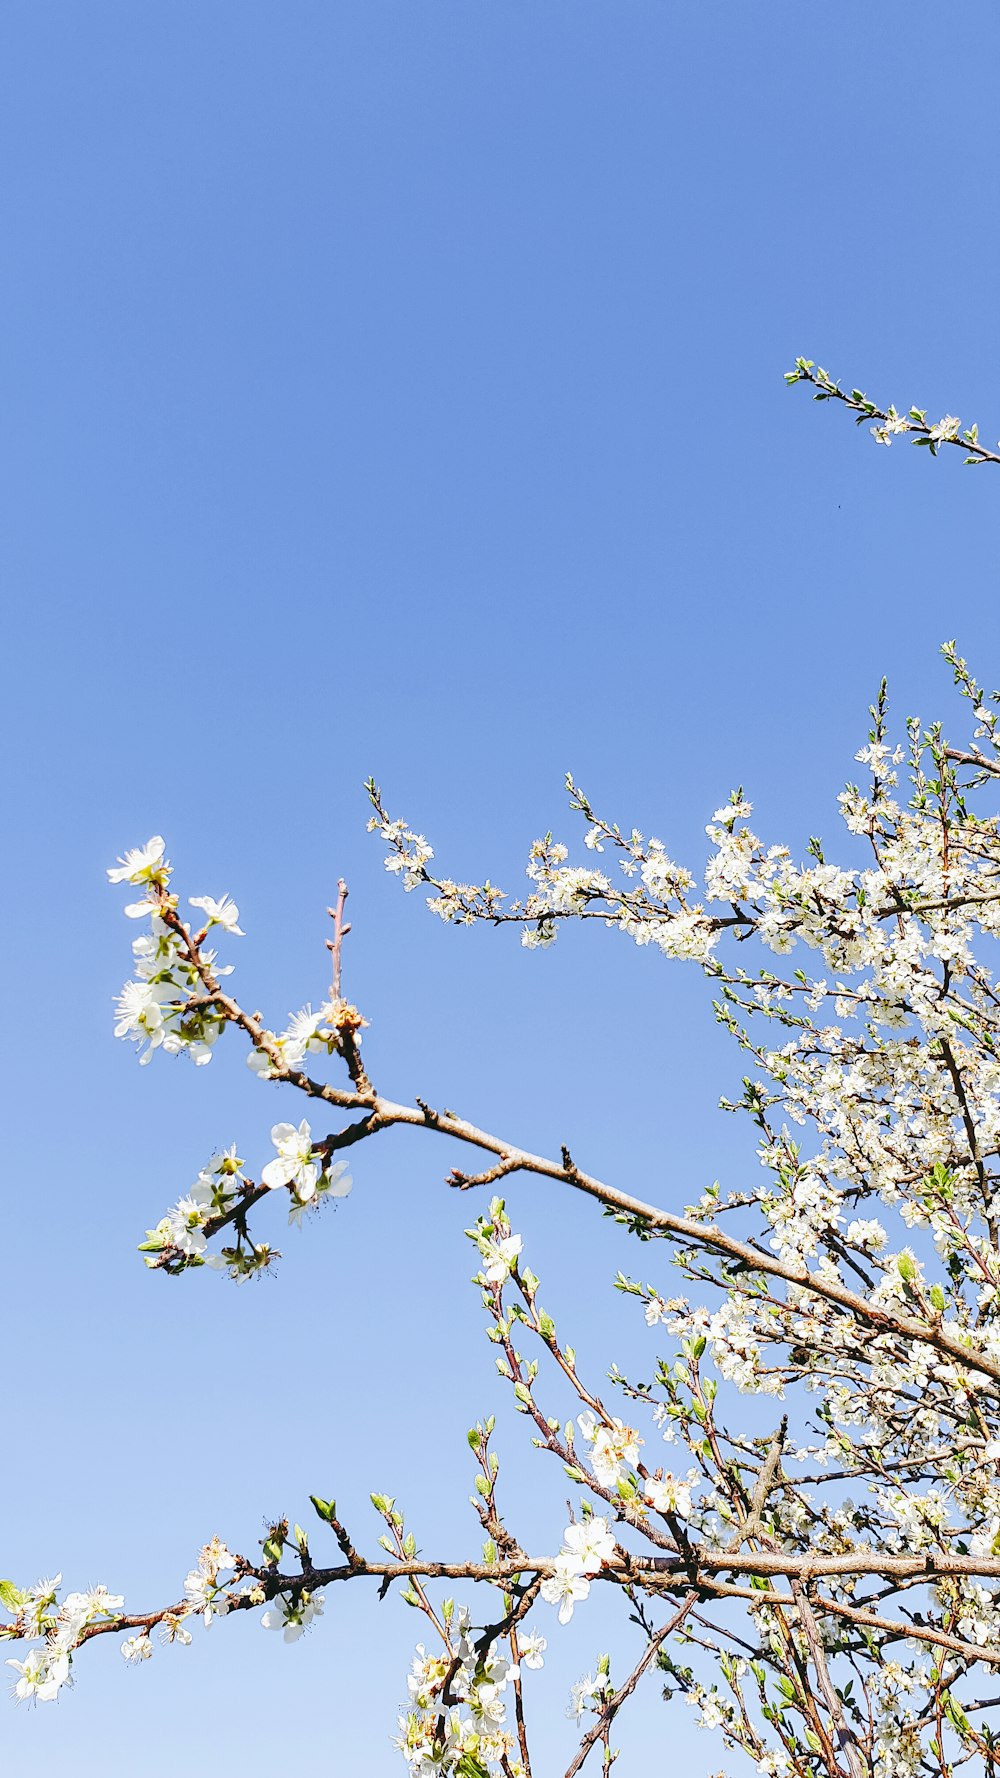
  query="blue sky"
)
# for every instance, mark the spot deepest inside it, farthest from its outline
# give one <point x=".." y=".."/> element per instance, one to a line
<point x="396" y="388"/>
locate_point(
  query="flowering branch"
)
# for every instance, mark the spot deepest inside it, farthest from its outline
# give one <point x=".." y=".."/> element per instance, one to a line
<point x="888" y="422"/>
<point x="873" y="1092"/>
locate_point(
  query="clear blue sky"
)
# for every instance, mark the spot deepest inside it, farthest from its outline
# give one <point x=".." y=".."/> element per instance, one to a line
<point x="396" y="387"/>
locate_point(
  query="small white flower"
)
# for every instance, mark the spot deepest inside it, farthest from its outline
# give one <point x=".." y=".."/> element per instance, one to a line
<point x="201" y="1593"/>
<point x="336" y="1181"/>
<point x="137" y="1648"/>
<point x="293" y="1616"/>
<point x="223" y="912"/>
<point x="613" y="1447"/>
<point x="202" y="1588"/>
<point x="216" y="1555"/>
<point x="532" y="1649"/>
<point x="668" y="1496"/>
<point x="42" y="1673"/>
<point x="588" y="1690"/>
<point x="946" y="429"/>
<point x="302" y="1035"/>
<point x="139" y="1013"/>
<point x="565" y="1586"/>
<point x="892" y="424"/>
<point x="866" y="1233"/>
<point x="259" y="1062"/>
<point x="78" y="1609"/>
<point x="590" y="1544"/>
<point x="143" y="864"/>
<point x="500" y="1257"/>
<point x="294" y="1165"/>
<point x="185" y="1226"/>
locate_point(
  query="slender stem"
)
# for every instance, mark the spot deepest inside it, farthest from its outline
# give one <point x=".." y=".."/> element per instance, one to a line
<point x="599" y="1728"/>
<point x="335" y="944"/>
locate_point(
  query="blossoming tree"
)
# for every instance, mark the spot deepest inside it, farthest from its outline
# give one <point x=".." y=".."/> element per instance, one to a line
<point x="824" y="1592"/>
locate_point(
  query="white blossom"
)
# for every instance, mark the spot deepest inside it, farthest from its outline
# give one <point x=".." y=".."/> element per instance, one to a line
<point x="223" y="912"/>
<point x="565" y="1586"/>
<point x="295" y="1165"/>
<point x="590" y="1543"/>
<point x="136" y="1648"/>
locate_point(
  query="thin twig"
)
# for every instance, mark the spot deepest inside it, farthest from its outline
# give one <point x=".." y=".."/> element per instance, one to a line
<point x="600" y="1727"/>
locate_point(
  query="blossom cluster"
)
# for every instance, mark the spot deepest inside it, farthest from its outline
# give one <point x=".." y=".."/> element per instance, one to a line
<point x="308" y="1033"/>
<point x="165" y="1005"/>
<point x="586" y="1546"/>
<point x="305" y="1171"/>
<point x="37" y="1613"/>
<point x="889" y="422"/>
<point x="60" y="1627"/>
<point x="467" y="1732"/>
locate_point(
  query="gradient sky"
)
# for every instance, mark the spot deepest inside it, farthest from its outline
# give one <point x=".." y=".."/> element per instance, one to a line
<point x="395" y="387"/>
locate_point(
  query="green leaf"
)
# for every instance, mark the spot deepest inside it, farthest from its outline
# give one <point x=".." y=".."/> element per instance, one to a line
<point x="471" y="1767"/>
<point x="956" y="1715"/>
<point x="11" y="1597"/>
